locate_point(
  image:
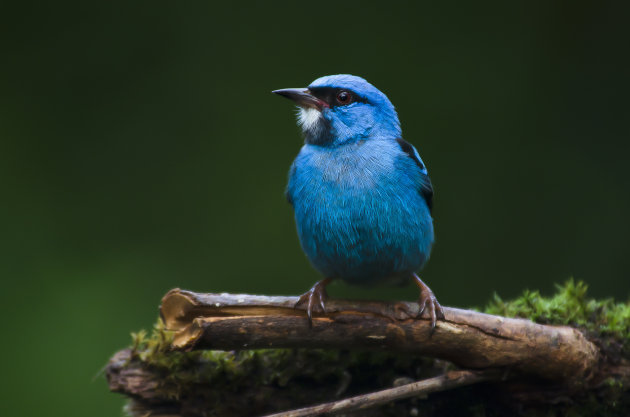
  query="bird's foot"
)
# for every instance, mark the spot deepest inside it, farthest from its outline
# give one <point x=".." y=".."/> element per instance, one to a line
<point x="314" y="299"/>
<point x="428" y="303"/>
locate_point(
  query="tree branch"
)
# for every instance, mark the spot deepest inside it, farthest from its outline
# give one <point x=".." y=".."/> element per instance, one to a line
<point x="443" y="382"/>
<point x="466" y="338"/>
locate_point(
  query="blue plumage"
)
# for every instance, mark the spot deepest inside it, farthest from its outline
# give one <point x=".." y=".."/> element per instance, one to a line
<point x="356" y="220"/>
<point x="362" y="195"/>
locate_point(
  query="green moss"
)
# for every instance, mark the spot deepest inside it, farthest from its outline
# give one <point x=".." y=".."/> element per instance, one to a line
<point x="183" y="369"/>
<point x="603" y="319"/>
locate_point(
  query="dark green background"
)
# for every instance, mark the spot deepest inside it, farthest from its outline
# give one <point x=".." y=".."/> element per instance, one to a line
<point x="141" y="150"/>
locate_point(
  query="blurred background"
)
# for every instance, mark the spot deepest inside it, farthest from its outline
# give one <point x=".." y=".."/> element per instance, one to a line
<point x="141" y="150"/>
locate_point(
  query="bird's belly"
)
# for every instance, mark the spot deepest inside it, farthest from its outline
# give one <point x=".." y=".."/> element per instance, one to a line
<point x="366" y="234"/>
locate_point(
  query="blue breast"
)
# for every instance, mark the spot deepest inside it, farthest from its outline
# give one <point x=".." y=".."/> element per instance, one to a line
<point x="359" y="213"/>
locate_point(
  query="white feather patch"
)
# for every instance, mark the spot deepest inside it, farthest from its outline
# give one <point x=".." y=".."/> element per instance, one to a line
<point x="309" y="118"/>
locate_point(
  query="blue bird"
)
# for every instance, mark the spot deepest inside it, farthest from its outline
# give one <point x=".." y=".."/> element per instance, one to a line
<point x="361" y="194"/>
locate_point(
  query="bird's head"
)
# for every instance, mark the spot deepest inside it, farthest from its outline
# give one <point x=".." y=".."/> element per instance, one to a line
<point x="339" y="109"/>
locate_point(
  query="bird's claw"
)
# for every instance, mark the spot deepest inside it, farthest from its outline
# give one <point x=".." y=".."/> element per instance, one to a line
<point x="314" y="300"/>
<point x="429" y="303"/>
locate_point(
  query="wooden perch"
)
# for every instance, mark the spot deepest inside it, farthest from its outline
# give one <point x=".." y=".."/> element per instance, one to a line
<point x="466" y="338"/>
<point x="216" y="361"/>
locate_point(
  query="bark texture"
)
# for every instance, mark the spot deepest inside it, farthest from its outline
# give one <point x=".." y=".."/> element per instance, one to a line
<point x="466" y="338"/>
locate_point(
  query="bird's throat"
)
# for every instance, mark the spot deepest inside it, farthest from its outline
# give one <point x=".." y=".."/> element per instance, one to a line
<point x="309" y="118"/>
<point x="315" y="127"/>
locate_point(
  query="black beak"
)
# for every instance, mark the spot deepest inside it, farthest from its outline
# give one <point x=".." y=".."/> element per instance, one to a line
<point x="302" y="97"/>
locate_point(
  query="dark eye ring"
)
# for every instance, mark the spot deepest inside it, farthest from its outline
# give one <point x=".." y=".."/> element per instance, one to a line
<point x="344" y="97"/>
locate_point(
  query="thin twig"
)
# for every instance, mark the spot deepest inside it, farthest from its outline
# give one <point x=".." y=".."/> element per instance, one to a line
<point x="444" y="382"/>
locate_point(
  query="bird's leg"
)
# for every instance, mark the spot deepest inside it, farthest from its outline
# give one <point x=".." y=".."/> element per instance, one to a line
<point x="427" y="301"/>
<point x="314" y="298"/>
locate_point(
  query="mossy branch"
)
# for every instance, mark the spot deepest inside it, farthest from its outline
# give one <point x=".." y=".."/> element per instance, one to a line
<point x="173" y="373"/>
<point x="466" y="338"/>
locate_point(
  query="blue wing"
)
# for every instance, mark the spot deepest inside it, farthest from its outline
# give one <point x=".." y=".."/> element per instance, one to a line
<point x="426" y="188"/>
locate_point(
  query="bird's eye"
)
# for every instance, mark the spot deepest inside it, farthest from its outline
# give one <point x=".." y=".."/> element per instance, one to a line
<point x="344" y="97"/>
